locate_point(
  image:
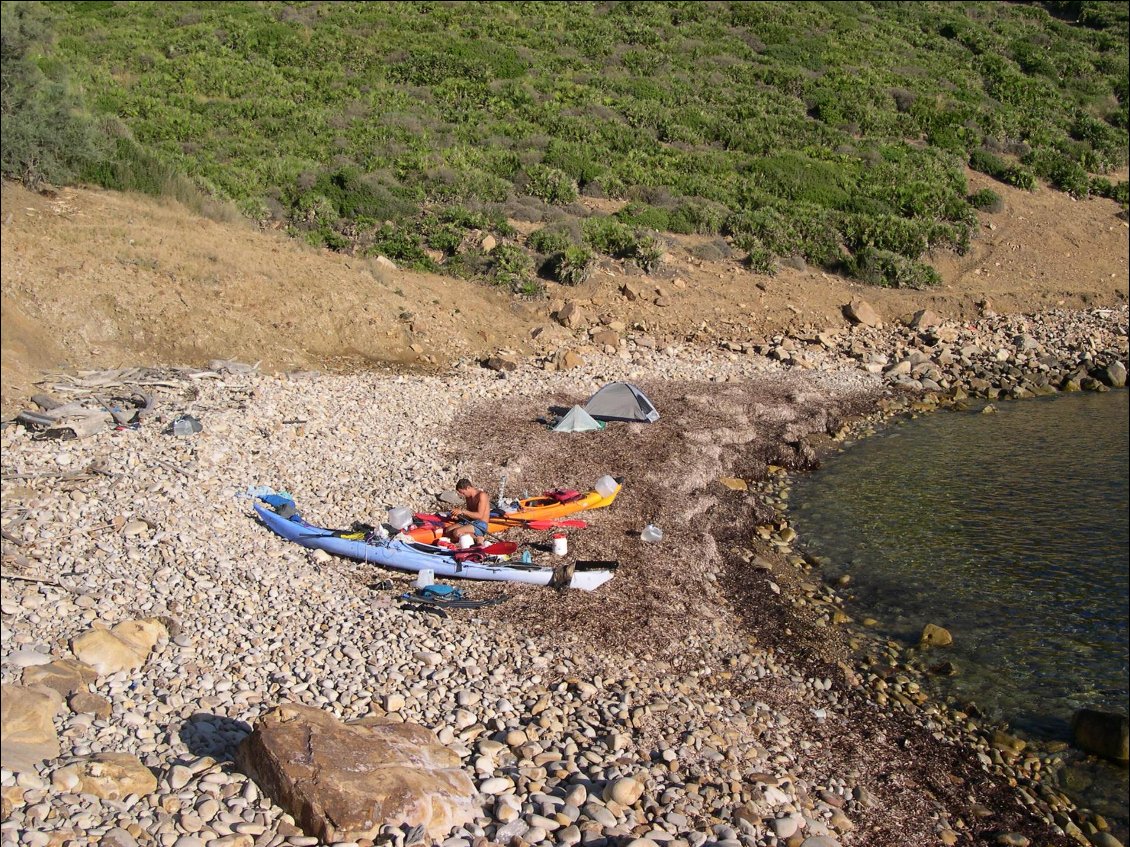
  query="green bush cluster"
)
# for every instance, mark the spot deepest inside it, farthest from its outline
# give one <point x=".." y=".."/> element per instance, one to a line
<point x="612" y="237"/>
<point x="891" y="270"/>
<point x="1118" y="191"/>
<point x="986" y="200"/>
<point x="989" y="163"/>
<point x="512" y="268"/>
<point x="819" y="130"/>
<point x="572" y="265"/>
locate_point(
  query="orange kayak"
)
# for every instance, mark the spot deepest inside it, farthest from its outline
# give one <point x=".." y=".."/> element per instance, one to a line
<point x="532" y="512"/>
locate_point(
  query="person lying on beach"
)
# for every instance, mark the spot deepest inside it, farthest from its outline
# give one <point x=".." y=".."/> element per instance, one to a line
<point x="474" y="516"/>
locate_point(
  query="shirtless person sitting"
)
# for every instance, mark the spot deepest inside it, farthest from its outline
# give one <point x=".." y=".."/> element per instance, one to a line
<point x="474" y="516"/>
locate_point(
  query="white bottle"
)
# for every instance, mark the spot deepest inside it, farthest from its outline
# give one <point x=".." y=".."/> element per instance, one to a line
<point x="560" y="544"/>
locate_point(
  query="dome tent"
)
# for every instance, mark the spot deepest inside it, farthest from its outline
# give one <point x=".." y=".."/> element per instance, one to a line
<point x="577" y="420"/>
<point x="621" y="401"/>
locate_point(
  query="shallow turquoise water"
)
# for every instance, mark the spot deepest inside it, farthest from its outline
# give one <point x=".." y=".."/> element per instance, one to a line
<point x="1010" y="530"/>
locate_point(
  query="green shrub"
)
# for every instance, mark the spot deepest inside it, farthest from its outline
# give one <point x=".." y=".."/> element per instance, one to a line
<point x="645" y="216"/>
<point x="572" y="266"/>
<point x="1063" y="172"/>
<point x="549" y="240"/>
<point x="609" y="236"/>
<point x="882" y="267"/>
<point x="1119" y="192"/>
<point x="45" y="133"/>
<point x="647" y="251"/>
<point x="759" y="260"/>
<point x="986" y="200"/>
<point x="988" y="163"/>
<point x="795" y="127"/>
<point x="512" y="268"/>
<point x="910" y="238"/>
<point x="550" y="184"/>
<point x="403" y="245"/>
<point x="701" y="217"/>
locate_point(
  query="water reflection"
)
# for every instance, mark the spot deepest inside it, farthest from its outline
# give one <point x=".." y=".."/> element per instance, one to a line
<point x="1010" y="530"/>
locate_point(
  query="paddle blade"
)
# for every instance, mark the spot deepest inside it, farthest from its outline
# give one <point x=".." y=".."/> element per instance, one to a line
<point x="551" y="524"/>
<point x="500" y="548"/>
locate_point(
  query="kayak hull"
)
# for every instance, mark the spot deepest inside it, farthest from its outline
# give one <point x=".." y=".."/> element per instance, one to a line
<point x="414" y="557"/>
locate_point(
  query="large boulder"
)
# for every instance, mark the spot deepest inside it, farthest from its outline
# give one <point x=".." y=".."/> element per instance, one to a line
<point x="110" y="776"/>
<point x="1105" y="734"/>
<point x="571" y="315"/>
<point x="861" y="312"/>
<point x="343" y="782"/>
<point x="1113" y="375"/>
<point x="27" y="726"/>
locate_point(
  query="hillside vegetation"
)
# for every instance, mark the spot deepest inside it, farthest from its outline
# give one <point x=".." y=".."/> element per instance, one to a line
<point x="836" y="133"/>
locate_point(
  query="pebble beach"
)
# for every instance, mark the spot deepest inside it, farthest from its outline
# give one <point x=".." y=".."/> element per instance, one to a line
<point x="727" y="706"/>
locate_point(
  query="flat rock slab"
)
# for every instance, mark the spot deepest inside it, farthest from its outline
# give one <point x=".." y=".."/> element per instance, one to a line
<point x="27" y="727"/>
<point x="342" y="782"/>
<point x="111" y="776"/>
<point x="125" y="647"/>
<point x="63" y="675"/>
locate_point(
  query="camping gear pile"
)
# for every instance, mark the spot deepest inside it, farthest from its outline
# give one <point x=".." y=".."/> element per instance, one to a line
<point x="417" y="541"/>
<point x="396" y="546"/>
<point x="549" y="511"/>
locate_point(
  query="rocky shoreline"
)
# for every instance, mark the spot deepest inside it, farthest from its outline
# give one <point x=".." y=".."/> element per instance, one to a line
<point x="709" y="697"/>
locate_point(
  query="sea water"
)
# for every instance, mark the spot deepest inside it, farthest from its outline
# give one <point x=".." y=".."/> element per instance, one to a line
<point x="1009" y="529"/>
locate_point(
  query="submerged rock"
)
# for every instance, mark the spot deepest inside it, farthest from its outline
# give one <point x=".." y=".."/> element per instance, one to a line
<point x="935" y="636"/>
<point x="1102" y="733"/>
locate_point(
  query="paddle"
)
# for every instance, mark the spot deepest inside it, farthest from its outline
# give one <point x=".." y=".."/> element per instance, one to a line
<point x="499" y="548"/>
<point x="553" y="524"/>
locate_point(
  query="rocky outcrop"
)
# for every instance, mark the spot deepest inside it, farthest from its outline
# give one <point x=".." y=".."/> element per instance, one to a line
<point x="342" y="782"/>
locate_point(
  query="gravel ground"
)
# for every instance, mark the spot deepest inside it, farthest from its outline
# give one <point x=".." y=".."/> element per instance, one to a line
<point x="713" y="671"/>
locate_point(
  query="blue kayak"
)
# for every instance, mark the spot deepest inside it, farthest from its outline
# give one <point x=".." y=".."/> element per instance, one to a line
<point x="414" y="557"/>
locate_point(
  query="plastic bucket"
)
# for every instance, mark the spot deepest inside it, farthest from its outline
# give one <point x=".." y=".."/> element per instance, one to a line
<point x="606" y="486"/>
<point x="560" y="544"/>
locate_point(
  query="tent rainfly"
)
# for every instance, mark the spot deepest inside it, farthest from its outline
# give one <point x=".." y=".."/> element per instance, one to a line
<point x="621" y="401"/>
<point x="577" y="420"/>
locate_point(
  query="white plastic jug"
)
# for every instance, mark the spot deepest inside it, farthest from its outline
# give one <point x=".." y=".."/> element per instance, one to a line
<point x="399" y="517"/>
<point x="560" y="545"/>
<point x="425" y="577"/>
<point x="651" y="534"/>
<point x="606" y="486"/>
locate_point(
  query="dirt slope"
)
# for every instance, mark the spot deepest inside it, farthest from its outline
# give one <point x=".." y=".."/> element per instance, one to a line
<point x="97" y="279"/>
